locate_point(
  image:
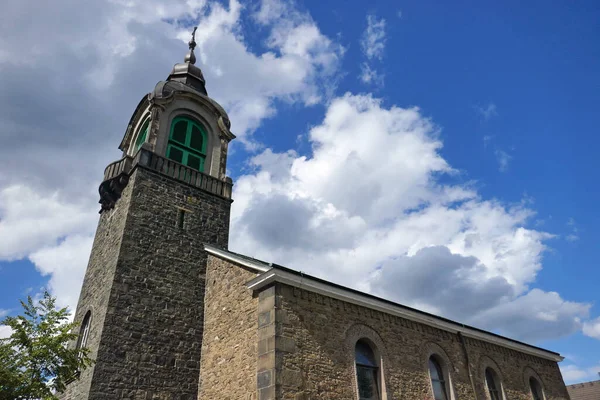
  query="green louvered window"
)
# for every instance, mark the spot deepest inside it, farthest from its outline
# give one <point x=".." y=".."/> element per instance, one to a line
<point x="142" y="135"/>
<point x="187" y="143"/>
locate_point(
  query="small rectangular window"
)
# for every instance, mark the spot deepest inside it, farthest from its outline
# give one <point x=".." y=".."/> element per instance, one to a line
<point x="180" y="218"/>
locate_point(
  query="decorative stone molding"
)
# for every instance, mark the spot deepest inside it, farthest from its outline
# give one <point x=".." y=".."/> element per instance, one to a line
<point x="361" y="331"/>
<point x="529" y="372"/>
<point x="448" y="368"/>
<point x="155" y="113"/>
<point x="322" y="292"/>
<point x="484" y="363"/>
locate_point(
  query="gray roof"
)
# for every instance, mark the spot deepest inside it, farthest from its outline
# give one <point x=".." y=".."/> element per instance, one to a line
<point x="585" y="391"/>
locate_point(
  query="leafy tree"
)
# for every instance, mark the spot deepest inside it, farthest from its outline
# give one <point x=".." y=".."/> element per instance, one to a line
<point x="36" y="361"/>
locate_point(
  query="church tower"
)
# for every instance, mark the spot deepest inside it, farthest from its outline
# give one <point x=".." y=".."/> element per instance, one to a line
<point x="142" y="302"/>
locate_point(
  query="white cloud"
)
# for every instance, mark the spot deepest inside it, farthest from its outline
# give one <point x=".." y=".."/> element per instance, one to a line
<point x="592" y="328"/>
<point x="30" y="220"/>
<point x="368" y="197"/>
<point x="574" y="374"/>
<point x="373" y="39"/>
<point x="488" y="111"/>
<point x="53" y="232"/>
<point x="5" y="331"/>
<point x="574" y="235"/>
<point x="486" y="140"/>
<point x="373" y="45"/>
<point x="67" y="100"/>
<point x="503" y="159"/>
<point x="367" y="210"/>
<point x="299" y="66"/>
<point x="65" y="262"/>
<point x="370" y="75"/>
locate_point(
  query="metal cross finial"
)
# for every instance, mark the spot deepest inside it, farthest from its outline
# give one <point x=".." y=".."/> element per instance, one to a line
<point x="190" y="57"/>
<point x="192" y="42"/>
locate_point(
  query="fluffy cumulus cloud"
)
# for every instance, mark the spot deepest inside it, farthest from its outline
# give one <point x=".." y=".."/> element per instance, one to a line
<point x="373" y="207"/>
<point x="5" y="331"/>
<point x="30" y="220"/>
<point x="592" y="328"/>
<point x="74" y="72"/>
<point x="297" y="67"/>
<point x="573" y="374"/>
<point x="65" y="263"/>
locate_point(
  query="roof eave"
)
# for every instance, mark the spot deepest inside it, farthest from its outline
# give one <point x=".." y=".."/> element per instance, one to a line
<point x="299" y="280"/>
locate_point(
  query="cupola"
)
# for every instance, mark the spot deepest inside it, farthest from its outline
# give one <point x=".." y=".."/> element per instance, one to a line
<point x="176" y="122"/>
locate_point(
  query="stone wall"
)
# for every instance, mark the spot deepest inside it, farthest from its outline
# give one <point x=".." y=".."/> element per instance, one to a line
<point x="151" y="338"/>
<point x="95" y="292"/>
<point x="317" y="361"/>
<point x="228" y="365"/>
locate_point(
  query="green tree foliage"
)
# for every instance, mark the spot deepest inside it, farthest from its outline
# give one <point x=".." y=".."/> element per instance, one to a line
<point x="36" y="361"/>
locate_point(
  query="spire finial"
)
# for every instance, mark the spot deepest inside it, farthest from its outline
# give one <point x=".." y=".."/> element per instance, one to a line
<point x="190" y="57"/>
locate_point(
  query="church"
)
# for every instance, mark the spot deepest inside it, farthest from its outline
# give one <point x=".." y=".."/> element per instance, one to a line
<point x="169" y="313"/>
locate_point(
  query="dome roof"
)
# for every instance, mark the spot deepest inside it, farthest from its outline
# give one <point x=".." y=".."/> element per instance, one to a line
<point x="187" y="72"/>
<point x="168" y="88"/>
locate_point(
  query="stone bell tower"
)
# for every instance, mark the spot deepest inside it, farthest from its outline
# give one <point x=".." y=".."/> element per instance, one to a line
<point x="142" y="302"/>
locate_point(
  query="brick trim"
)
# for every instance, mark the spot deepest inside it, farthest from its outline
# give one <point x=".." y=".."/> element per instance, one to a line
<point x="434" y="349"/>
<point x="361" y="331"/>
<point x="483" y="363"/>
<point x="529" y="372"/>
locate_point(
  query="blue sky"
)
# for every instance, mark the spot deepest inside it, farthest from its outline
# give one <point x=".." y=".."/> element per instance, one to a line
<point x="396" y="142"/>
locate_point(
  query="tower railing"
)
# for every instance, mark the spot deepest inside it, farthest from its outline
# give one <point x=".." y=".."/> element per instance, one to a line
<point x="117" y="168"/>
<point x="183" y="173"/>
<point x="116" y="176"/>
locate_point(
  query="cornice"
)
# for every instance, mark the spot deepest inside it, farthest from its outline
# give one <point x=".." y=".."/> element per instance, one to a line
<point x="301" y="281"/>
<point x="255" y="265"/>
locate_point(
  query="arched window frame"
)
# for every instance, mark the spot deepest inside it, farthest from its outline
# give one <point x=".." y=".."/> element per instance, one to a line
<point x="188" y="152"/>
<point x="486" y="363"/>
<point x="493" y="384"/>
<point x="528" y="374"/>
<point x="438" y="366"/>
<point x="535" y="393"/>
<point x="84" y="331"/>
<point x="141" y="136"/>
<point x="370" y="369"/>
<point x="353" y="334"/>
<point x="432" y="349"/>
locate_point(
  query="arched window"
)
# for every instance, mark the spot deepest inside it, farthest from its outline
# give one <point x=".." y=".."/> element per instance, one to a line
<point x="438" y="382"/>
<point x="84" y="331"/>
<point x="536" y="389"/>
<point x="141" y="136"/>
<point x="493" y="384"/>
<point x="367" y="371"/>
<point x="187" y="143"/>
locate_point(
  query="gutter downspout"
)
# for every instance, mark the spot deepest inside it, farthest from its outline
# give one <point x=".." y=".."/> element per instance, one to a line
<point x="464" y="346"/>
